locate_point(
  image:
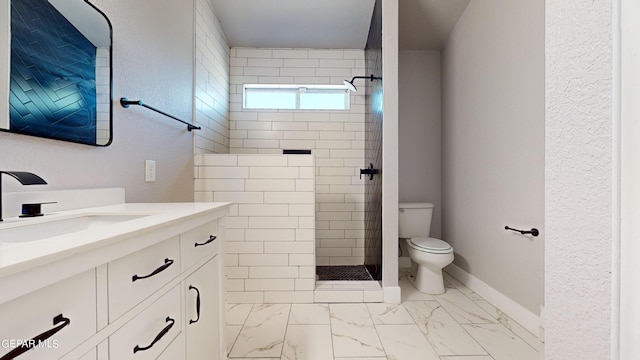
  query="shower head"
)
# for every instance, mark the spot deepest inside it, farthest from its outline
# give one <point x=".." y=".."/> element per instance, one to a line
<point x="350" y="86"/>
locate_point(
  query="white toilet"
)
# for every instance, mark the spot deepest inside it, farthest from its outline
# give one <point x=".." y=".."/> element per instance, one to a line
<point x="431" y="254"/>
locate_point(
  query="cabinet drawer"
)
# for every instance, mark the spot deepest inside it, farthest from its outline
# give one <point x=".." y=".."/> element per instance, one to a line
<point x="175" y="351"/>
<point x="69" y="305"/>
<point x="197" y="243"/>
<point x="160" y="322"/>
<point x="134" y="277"/>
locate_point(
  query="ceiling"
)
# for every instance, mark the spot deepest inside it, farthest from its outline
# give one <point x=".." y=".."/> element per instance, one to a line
<point x="426" y="24"/>
<point x="320" y="24"/>
<point x="332" y="24"/>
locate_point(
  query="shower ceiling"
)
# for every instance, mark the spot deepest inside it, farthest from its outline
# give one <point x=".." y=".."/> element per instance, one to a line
<point x="325" y="24"/>
<point x="332" y="24"/>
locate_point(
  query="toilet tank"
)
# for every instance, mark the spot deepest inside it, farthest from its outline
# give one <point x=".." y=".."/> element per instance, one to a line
<point x="414" y="220"/>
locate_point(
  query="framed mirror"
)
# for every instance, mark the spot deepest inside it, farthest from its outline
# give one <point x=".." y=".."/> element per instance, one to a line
<point x="60" y="78"/>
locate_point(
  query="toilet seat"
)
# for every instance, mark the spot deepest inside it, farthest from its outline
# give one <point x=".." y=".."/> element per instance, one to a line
<point x="431" y="245"/>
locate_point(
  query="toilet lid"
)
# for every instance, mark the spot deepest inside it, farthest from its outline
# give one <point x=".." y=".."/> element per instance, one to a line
<point x="431" y="245"/>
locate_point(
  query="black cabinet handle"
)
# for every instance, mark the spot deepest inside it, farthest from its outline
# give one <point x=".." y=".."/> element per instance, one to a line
<point x="191" y="287"/>
<point x="167" y="262"/>
<point x="59" y="322"/>
<point x="211" y="238"/>
<point x="158" y="337"/>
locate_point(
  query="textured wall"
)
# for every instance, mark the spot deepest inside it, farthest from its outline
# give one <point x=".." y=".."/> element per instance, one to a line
<point x="152" y="62"/>
<point x="211" y="87"/>
<point x="420" y="131"/>
<point x="493" y="146"/>
<point x="5" y="53"/>
<point x="579" y="148"/>
<point x="336" y="138"/>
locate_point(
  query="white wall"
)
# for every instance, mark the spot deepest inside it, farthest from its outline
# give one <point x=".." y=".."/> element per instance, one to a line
<point x="630" y="193"/>
<point x="153" y="61"/>
<point x="211" y="83"/>
<point x="336" y="138"/>
<point x="5" y="54"/>
<point x="420" y="131"/>
<point x="493" y="146"/>
<point x="580" y="201"/>
<point x="390" y="151"/>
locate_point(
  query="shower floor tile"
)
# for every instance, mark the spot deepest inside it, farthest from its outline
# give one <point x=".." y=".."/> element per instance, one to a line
<point x="343" y="273"/>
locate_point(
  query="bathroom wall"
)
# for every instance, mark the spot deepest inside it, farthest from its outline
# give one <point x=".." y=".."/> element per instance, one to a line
<point x="211" y="84"/>
<point x="582" y="169"/>
<point x="5" y="54"/>
<point x="336" y="138"/>
<point x="390" y="140"/>
<point x="153" y="61"/>
<point x="420" y="131"/>
<point x="269" y="248"/>
<point x="493" y="146"/>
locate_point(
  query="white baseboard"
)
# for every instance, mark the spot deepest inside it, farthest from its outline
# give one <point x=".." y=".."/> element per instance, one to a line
<point x="517" y="312"/>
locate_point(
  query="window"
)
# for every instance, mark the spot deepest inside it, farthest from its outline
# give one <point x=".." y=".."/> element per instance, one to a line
<point x="296" y="97"/>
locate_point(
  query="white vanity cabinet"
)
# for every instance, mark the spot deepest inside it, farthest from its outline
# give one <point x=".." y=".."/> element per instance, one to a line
<point x="66" y="310"/>
<point x="156" y="294"/>
<point x="203" y="318"/>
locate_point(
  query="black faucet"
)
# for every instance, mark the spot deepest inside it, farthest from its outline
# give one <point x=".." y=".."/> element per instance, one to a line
<point x="25" y="178"/>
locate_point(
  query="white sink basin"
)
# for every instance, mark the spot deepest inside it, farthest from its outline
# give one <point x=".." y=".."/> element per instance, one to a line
<point x="37" y="230"/>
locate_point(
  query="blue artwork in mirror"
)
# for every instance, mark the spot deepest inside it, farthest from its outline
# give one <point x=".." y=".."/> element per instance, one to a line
<point x="60" y="78"/>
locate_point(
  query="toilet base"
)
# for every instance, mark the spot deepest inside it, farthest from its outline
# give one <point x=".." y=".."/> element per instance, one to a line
<point x="429" y="281"/>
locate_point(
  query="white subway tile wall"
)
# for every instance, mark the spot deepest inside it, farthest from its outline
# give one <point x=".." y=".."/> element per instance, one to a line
<point x="211" y="85"/>
<point x="336" y="139"/>
<point x="269" y="245"/>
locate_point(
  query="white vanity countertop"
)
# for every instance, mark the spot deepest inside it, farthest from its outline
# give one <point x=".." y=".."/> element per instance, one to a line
<point x="16" y="256"/>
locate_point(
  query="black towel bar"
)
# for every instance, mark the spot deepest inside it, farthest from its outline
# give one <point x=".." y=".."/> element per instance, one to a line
<point x="126" y="102"/>
<point x="533" y="231"/>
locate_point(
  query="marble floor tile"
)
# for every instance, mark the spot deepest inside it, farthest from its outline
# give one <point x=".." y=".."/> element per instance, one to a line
<point x="389" y="314"/>
<point x="501" y="343"/>
<point x="510" y="324"/>
<point x="307" y="342"/>
<point x="263" y="332"/>
<point x="309" y="314"/>
<point x="405" y="342"/>
<point x="236" y="314"/>
<point x="362" y="358"/>
<point x="462" y="308"/>
<point x="441" y="330"/>
<point x="485" y="357"/>
<point x="410" y="293"/>
<point x="231" y="335"/>
<point x="353" y="331"/>
<point x="463" y="289"/>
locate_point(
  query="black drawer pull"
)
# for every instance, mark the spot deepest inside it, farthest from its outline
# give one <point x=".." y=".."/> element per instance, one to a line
<point x="211" y="238"/>
<point x="167" y="262"/>
<point x="59" y="322"/>
<point x="158" y="337"/>
<point x="191" y="287"/>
